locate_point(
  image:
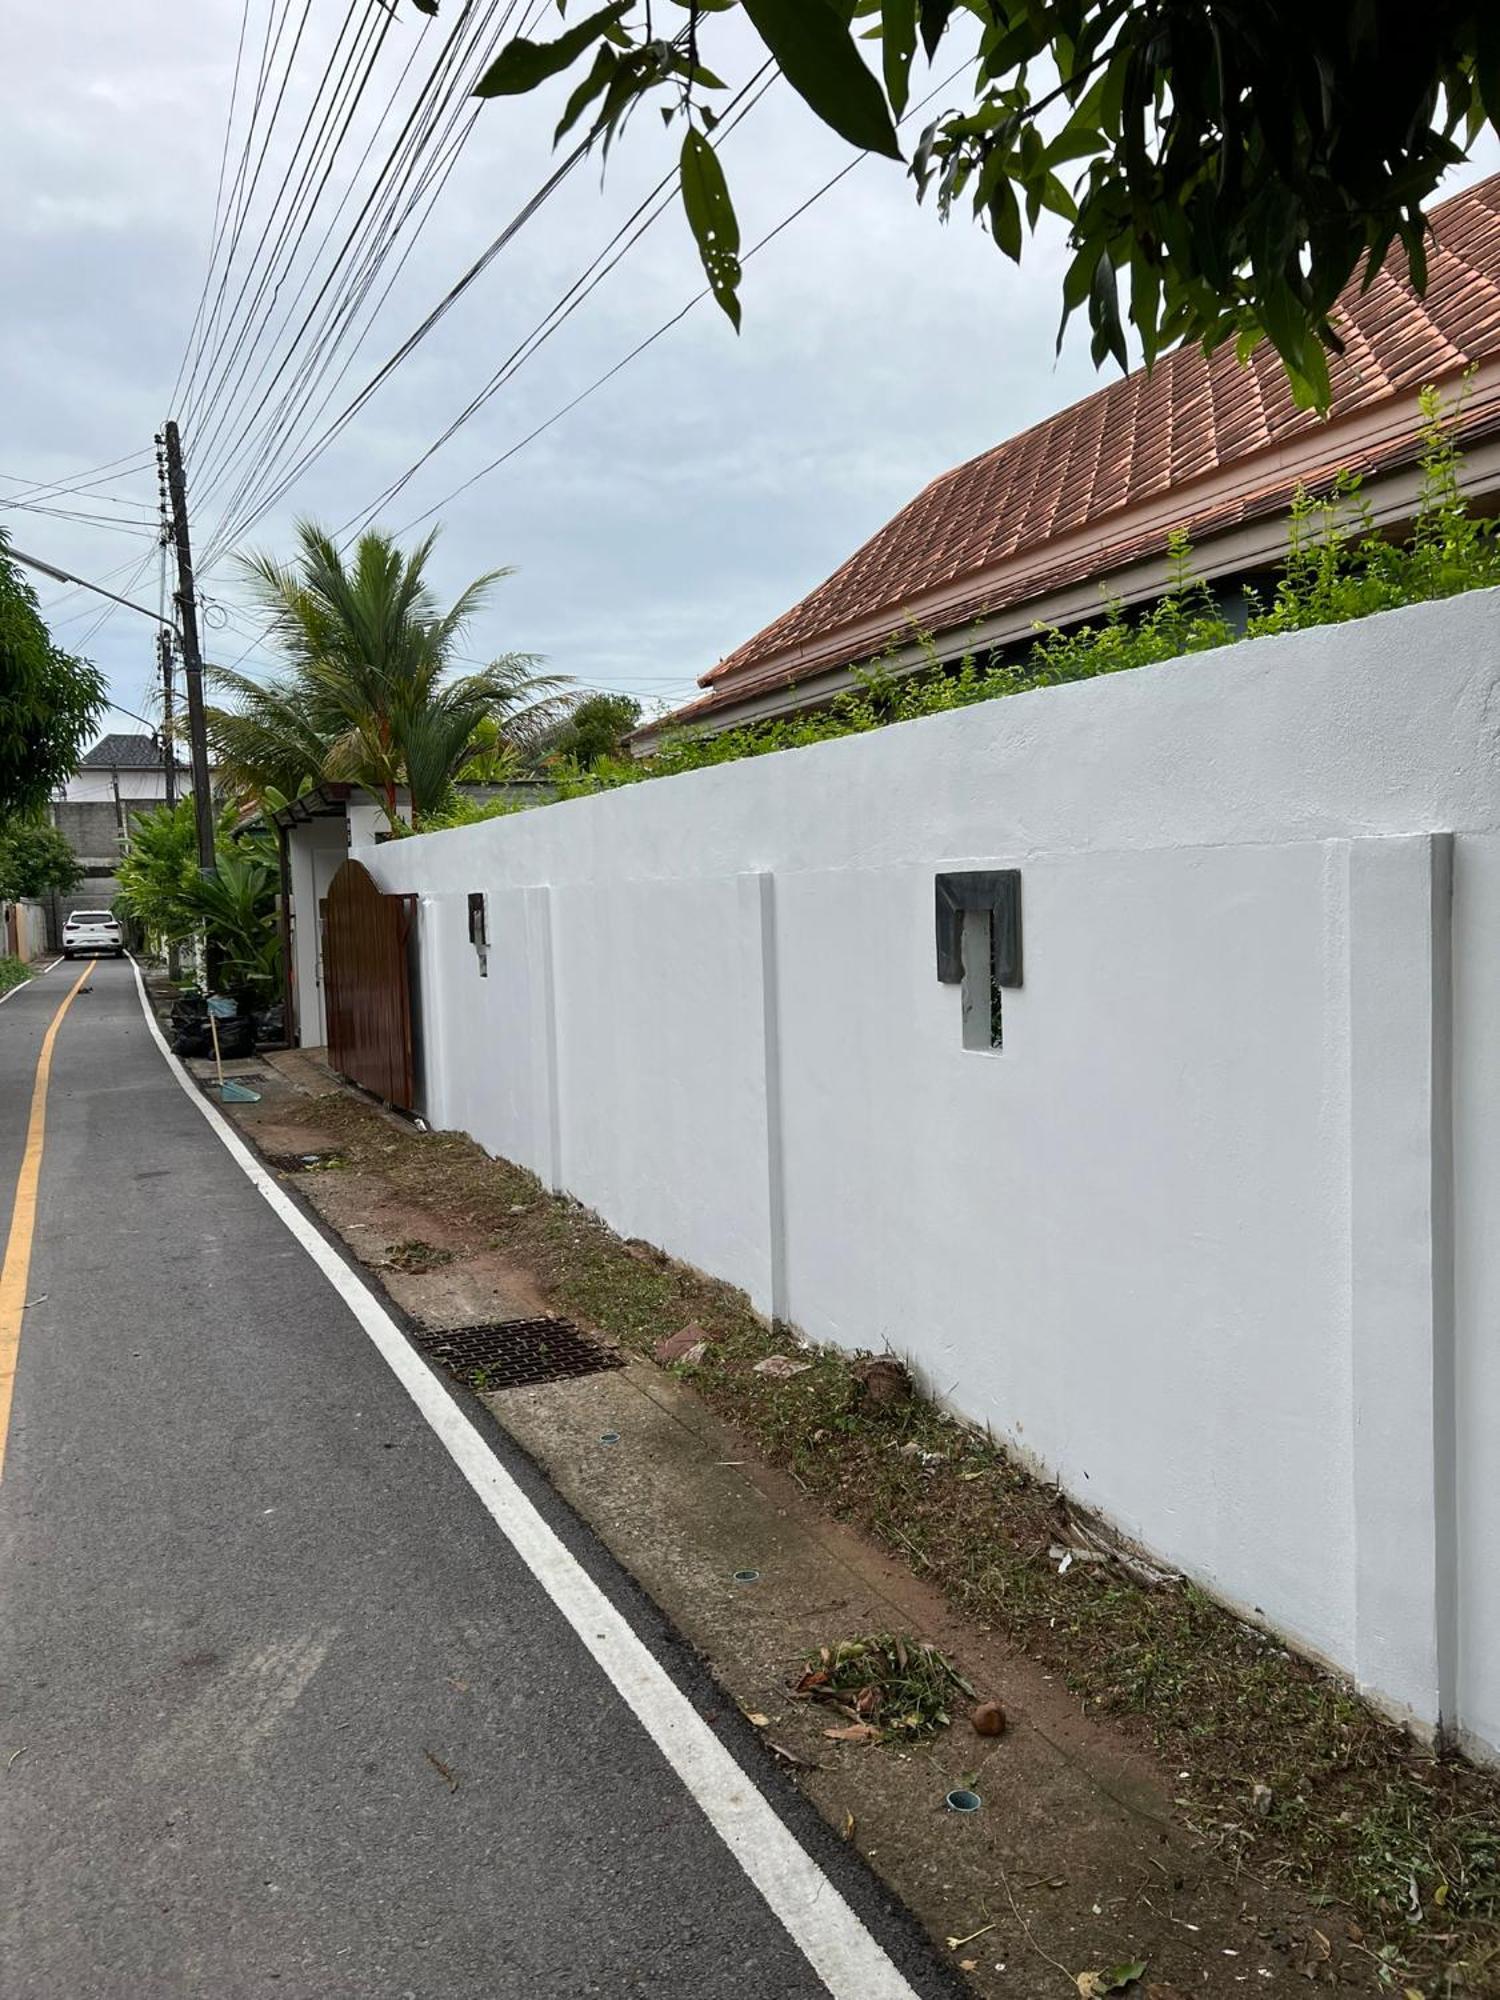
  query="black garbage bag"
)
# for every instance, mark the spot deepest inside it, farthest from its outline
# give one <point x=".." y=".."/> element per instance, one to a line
<point x="190" y="1010"/>
<point x="270" y="1026"/>
<point x="236" y="1036"/>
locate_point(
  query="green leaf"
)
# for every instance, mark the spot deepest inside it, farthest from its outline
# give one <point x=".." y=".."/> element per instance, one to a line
<point x="898" y="24"/>
<point x="1075" y="142"/>
<point x="935" y="16"/>
<point x="1104" y="314"/>
<point x="815" y="52"/>
<point x="711" y="217"/>
<point x="521" y="65"/>
<point x="1005" y="218"/>
<point x="1120" y="1976"/>
<point x="597" y="80"/>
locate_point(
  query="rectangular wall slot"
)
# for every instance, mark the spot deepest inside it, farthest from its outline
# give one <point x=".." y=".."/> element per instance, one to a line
<point x="979" y="946"/>
<point x="479" y="930"/>
<point x="982" y="1006"/>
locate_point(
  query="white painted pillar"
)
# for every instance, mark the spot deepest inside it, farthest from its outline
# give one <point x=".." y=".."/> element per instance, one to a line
<point x="1401" y="1247"/>
<point x="760" y="1054"/>
<point x="546" y="1106"/>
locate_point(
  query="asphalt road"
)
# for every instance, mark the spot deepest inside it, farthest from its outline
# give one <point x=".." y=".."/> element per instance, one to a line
<point x="281" y="1712"/>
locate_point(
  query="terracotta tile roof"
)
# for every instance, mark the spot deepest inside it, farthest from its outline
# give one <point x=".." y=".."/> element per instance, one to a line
<point x="1096" y="466"/>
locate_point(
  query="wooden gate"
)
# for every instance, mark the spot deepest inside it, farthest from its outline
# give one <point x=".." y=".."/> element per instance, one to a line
<point x="366" y="985"/>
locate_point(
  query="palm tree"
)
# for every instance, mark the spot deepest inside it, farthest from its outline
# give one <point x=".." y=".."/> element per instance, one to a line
<point x="370" y="694"/>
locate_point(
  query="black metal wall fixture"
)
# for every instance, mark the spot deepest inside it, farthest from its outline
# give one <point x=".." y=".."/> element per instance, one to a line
<point x="997" y="892"/>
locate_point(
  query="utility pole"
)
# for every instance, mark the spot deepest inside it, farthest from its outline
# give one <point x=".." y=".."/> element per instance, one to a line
<point x="169" y="733"/>
<point x="192" y="658"/>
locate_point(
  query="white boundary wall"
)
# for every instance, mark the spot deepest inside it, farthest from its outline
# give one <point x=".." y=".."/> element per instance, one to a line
<point x="1216" y="1238"/>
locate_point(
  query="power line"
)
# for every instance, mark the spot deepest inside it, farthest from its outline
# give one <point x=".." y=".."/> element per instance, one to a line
<point x="355" y="244"/>
<point x="445" y="305"/>
<point x="229" y="216"/>
<point x="370" y="239"/>
<point x="25" y="500"/>
<point x="106" y="521"/>
<point x="214" y="226"/>
<point x="740" y="109"/>
<point x="192" y="392"/>
<point x="634" y="353"/>
<point x="343" y="95"/>
<point x="84" y="482"/>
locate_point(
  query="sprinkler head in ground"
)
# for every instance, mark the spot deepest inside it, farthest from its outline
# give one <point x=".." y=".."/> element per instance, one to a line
<point x="609" y="1437"/>
<point x="747" y="1576"/>
<point x="963" y="1802"/>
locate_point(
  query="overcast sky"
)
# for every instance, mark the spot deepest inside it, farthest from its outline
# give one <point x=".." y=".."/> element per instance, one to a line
<point x="688" y="501"/>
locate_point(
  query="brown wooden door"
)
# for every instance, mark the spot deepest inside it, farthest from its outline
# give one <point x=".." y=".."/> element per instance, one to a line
<point x="366" y="985"/>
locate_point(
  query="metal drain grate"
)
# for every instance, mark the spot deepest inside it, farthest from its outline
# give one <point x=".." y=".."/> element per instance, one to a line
<point x="516" y="1353"/>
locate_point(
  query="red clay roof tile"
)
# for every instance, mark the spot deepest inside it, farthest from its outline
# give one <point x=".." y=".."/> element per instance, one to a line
<point x="1137" y="438"/>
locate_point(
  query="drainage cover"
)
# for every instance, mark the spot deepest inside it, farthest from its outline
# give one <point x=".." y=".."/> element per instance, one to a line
<point x="515" y="1353"/>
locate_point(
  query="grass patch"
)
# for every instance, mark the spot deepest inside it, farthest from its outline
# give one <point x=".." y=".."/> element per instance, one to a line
<point x="414" y="1256"/>
<point x="1352" y="1811"/>
<point x="13" y="972"/>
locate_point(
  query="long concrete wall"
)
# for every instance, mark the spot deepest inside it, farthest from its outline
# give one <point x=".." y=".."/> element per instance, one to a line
<point x="1212" y="1237"/>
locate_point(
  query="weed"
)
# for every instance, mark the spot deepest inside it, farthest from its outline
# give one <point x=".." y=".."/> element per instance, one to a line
<point x="892" y="1685"/>
<point x="415" y="1256"/>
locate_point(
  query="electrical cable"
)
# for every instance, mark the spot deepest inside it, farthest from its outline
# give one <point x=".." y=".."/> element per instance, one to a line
<point x="193" y="392"/>
<point x="739" y="109"/>
<point x="249" y="443"/>
<point x="371" y="237"/>
<point x="233" y="207"/>
<point x="665" y="328"/>
<point x="342" y="101"/>
<point x="55" y="488"/>
<point x="216" y="225"/>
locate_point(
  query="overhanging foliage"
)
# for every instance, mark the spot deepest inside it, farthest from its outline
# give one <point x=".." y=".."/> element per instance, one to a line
<point x="1222" y="165"/>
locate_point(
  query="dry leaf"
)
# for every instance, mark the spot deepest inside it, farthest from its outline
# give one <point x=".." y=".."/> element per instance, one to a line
<point x="968" y="1965"/>
<point x="855" y="1732"/>
<point x="848" y="1828"/>
<point x="754" y="1715"/>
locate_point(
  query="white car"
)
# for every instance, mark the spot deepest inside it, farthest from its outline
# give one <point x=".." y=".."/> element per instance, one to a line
<point x="92" y="933"/>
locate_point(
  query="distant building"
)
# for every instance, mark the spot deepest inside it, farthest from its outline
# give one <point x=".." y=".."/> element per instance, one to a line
<point x="120" y="778"/>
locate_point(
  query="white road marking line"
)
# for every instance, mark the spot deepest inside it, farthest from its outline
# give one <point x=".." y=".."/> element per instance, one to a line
<point x="27" y="981"/>
<point x="833" y="1940"/>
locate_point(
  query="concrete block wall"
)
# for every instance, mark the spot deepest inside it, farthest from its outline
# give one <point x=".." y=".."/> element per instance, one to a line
<point x="1210" y="1237"/>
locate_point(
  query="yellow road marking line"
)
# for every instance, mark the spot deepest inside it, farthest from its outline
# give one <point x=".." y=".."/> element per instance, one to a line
<point x="17" y="1266"/>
